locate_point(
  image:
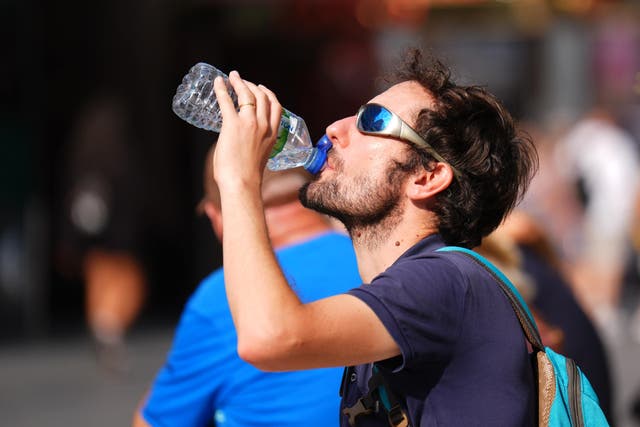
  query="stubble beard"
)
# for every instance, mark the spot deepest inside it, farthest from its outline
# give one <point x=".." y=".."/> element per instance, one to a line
<point x="369" y="207"/>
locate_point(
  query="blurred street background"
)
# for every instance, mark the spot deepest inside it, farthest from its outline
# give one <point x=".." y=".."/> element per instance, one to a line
<point x="100" y="243"/>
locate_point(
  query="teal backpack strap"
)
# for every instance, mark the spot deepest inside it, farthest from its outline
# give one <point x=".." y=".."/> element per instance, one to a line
<point x="517" y="302"/>
<point x="565" y="396"/>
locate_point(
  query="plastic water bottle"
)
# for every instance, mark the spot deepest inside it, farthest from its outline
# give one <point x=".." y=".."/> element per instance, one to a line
<point x="195" y="102"/>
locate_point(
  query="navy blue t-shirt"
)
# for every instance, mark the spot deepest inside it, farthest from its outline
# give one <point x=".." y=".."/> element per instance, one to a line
<point x="464" y="357"/>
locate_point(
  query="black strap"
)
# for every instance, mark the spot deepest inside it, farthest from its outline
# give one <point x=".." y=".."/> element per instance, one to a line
<point x="395" y="414"/>
<point x="379" y="395"/>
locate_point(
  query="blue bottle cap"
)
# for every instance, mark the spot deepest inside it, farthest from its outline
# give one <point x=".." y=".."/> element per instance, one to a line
<point x="319" y="156"/>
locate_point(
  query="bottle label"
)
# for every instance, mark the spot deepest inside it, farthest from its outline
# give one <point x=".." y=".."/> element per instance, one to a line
<point x="283" y="134"/>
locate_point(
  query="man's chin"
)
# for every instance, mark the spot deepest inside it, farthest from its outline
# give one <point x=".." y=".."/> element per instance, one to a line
<point x="303" y="194"/>
<point x="310" y="196"/>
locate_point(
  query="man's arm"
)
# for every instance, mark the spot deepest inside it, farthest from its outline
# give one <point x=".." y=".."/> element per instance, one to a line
<point x="138" y="420"/>
<point x="275" y="330"/>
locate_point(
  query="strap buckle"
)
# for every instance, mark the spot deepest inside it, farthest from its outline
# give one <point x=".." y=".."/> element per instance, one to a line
<point x="397" y="417"/>
<point x="359" y="408"/>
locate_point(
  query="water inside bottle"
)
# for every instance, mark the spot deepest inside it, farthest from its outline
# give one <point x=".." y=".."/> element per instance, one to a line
<point x="295" y="148"/>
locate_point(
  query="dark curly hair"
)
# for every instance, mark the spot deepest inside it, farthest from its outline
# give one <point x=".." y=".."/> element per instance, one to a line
<point x="471" y="129"/>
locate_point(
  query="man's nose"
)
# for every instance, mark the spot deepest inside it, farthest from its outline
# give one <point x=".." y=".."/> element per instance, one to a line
<point x="338" y="132"/>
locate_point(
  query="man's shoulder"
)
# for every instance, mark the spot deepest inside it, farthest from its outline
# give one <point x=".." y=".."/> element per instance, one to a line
<point x="214" y="281"/>
<point x="209" y="297"/>
<point x="450" y="262"/>
<point x="332" y="239"/>
<point x="418" y="280"/>
<point x="436" y="273"/>
<point x="321" y="267"/>
<point x="430" y="266"/>
<point x="330" y="253"/>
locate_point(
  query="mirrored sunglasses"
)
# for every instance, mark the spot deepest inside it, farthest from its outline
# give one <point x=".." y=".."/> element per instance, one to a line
<point x="374" y="119"/>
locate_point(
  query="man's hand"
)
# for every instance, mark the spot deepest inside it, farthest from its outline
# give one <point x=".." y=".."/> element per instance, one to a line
<point x="247" y="136"/>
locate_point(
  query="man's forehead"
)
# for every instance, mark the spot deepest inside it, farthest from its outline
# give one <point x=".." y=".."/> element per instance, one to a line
<point x="405" y="99"/>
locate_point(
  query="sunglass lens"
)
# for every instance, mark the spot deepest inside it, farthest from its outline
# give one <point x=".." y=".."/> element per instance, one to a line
<point x="374" y="118"/>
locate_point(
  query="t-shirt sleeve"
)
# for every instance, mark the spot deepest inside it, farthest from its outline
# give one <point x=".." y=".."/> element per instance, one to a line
<point x="183" y="393"/>
<point x="421" y="303"/>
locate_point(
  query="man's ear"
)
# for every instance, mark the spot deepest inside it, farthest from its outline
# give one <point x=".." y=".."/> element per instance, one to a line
<point x="425" y="184"/>
<point x="215" y="218"/>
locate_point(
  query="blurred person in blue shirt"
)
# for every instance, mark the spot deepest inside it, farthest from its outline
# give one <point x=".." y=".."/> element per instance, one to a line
<point x="204" y="381"/>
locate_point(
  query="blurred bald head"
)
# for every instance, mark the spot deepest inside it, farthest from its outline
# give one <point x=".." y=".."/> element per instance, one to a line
<point x="277" y="187"/>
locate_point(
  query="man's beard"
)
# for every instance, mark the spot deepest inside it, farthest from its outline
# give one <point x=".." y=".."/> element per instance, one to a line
<point x="367" y="206"/>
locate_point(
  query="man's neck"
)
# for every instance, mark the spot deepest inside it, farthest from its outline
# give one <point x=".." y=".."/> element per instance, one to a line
<point x="375" y="258"/>
<point x="291" y="223"/>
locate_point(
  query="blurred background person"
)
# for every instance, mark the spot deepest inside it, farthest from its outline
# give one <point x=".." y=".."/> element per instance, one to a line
<point x="562" y="321"/>
<point x="204" y="379"/>
<point x="100" y="239"/>
<point x="635" y="269"/>
<point x="602" y="161"/>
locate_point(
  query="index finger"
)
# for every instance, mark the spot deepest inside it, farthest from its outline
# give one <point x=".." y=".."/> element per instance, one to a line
<point x="225" y="102"/>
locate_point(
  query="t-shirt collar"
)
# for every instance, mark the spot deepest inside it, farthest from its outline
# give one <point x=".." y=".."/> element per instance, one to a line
<point x="427" y="244"/>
